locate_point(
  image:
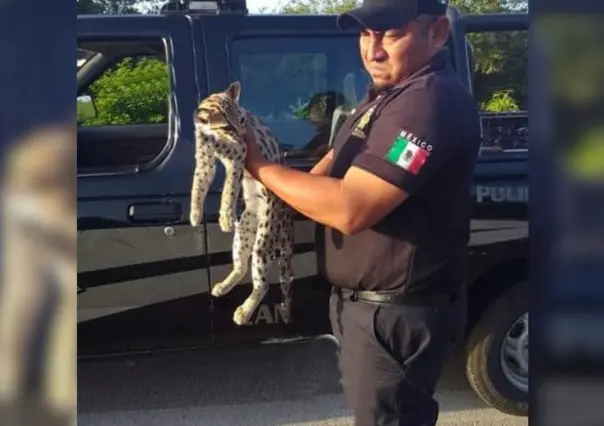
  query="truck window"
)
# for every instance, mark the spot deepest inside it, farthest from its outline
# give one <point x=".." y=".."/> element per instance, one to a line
<point x="500" y="85"/>
<point x="299" y="85"/>
<point x="123" y="105"/>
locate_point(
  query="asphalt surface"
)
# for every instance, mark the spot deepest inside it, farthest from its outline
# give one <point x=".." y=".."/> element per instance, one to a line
<point x="277" y="384"/>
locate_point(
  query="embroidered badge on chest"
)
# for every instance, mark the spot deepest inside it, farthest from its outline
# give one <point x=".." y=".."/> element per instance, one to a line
<point x="360" y="129"/>
<point x="409" y="152"/>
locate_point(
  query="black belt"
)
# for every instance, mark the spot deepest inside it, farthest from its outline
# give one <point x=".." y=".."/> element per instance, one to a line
<point x="398" y="298"/>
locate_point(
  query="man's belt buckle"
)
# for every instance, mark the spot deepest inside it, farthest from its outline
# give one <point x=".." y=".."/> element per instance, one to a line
<point x="442" y="299"/>
<point x="378" y="297"/>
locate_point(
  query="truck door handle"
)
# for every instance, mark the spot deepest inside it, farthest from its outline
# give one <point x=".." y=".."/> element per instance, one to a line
<point x="155" y="212"/>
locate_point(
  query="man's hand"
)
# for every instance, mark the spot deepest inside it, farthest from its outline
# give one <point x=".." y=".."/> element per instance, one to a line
<point x="323" y="165"/>
<point x="351" y="204"/>
<point x="254" y="159"/>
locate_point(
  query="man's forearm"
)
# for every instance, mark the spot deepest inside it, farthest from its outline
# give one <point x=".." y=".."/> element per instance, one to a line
<point x="319" y="198"/>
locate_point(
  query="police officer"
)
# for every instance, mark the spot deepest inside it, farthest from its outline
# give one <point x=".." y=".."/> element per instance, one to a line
<point x="392" y="204"/>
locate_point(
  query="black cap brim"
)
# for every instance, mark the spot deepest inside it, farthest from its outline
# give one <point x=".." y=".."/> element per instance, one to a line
<point x="375" y="18"/>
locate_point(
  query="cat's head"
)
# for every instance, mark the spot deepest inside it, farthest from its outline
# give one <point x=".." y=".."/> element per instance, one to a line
<point x="221" y="112"/>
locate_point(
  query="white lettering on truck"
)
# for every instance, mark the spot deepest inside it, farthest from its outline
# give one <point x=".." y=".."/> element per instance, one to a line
<point x="498" y="194"/>
<point x="264" y="314"/>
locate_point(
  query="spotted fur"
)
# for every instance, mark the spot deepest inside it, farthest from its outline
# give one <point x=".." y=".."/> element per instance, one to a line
<point x="265" y="229"/>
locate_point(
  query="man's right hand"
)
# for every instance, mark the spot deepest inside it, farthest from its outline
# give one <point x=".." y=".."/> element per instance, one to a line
<point x="322" y="167"/>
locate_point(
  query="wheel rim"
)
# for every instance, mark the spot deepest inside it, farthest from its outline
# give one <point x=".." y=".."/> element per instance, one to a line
<point x="514" y="353"/>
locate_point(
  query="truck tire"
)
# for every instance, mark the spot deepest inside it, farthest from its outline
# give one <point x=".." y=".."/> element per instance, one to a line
<point x="497" y="353"/>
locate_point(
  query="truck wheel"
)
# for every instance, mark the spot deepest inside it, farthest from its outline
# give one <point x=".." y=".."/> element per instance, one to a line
<point x="497" y="353"/>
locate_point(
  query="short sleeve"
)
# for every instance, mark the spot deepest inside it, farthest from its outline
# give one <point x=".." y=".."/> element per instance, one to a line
<point x="410" y="141"/>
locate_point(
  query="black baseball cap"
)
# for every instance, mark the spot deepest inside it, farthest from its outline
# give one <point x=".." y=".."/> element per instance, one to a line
<point x="382" y="15"/>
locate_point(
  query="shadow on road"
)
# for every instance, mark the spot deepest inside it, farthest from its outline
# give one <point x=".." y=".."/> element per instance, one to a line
<point x="295" y="383"/>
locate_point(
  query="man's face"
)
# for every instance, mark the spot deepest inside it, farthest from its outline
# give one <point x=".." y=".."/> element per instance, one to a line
<point x="390" y="56"/>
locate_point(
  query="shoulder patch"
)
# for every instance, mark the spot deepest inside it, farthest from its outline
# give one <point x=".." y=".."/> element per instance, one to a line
<point x="409" y="152"/>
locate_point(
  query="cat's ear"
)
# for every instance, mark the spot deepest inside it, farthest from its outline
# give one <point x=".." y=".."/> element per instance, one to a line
<point x="234" y="91"/>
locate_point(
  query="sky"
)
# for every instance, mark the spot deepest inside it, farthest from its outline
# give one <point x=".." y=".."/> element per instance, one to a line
<point x="254" y="5"/>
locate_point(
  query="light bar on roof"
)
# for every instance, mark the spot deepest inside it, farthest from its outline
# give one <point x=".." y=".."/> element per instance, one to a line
<point x="202" y="5"/>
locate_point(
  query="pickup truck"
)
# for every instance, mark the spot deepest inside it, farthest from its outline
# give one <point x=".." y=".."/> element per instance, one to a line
<point x="144" y="274"/>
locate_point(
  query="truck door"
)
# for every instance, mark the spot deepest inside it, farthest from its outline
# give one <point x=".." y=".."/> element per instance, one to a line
<point x="490" y="55"/>
<point x="497" y="342"/>
<point x="498" y="46"/>
<point x="299" y="74"/>
<point x="142" y="271"/>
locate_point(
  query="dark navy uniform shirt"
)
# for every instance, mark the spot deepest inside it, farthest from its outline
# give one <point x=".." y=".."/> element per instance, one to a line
<point x="424" y="139"/>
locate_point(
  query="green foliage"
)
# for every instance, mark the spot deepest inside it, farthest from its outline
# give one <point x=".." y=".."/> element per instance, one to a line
<point x="585" y="159"/>
<point x="501" y="58"/>
<point x="501" y="65"/>
<point x="500" y="101"/>
<point x="88" y="7"/>
<point x="298" y="7"/>
<point x="319" y="108"/>
<point x="300" y="110"/>
<point x="115" y="7"/>
<point x="135" y="91"/>
<point x="107" y="7"/>
<point x="490" y="6"/>
<point x="573" y="46"/>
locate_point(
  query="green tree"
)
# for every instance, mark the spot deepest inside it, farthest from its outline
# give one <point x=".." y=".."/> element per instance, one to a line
<point x="501" y="59"/>
<point x="135" y="91"/>
<point x="150" y="6"/>
<point x="318" y="6"/>
<point x="88" y="7"/>
<point x="106" y="7"/>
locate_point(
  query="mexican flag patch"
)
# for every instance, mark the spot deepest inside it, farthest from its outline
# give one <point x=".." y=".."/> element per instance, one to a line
<point x="407" y="153"/>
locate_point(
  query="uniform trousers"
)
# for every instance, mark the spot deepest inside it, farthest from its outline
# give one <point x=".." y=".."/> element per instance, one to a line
<point x="391" y="356"/>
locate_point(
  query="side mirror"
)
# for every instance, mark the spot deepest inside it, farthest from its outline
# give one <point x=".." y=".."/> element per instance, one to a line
<point x="86" y="108"/>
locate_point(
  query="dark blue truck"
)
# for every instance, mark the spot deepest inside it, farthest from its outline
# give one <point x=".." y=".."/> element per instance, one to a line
<point x="144" y="274"/>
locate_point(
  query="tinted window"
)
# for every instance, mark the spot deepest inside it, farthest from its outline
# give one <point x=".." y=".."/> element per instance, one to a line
<point x="132" y="91"/>
<point x="298" y="85"/>
<point x="500" y="84"/>
<point x="123" y="105"/>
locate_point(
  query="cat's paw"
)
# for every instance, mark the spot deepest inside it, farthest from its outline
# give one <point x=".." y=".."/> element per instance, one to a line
<point x="195" y="217"/>
<point x="227" y="222"/>
<point x="241" y="316"/>
<point x="219" y="290"/>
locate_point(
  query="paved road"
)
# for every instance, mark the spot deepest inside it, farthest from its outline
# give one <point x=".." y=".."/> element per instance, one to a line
<point x="263" y="385"/>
